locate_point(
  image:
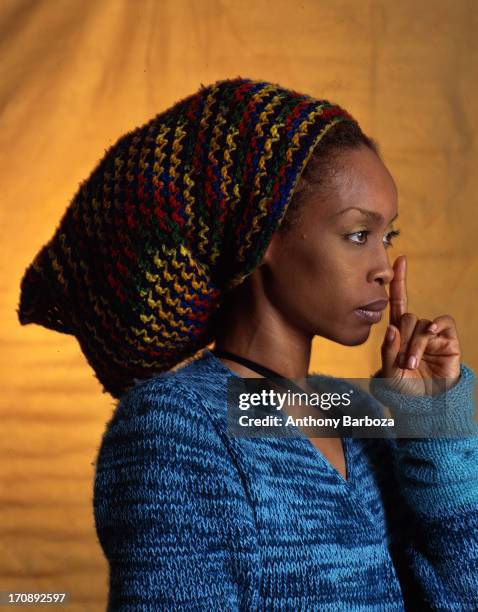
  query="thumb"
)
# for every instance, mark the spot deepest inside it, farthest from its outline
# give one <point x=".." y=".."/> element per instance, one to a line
<point x="390" y="349"/>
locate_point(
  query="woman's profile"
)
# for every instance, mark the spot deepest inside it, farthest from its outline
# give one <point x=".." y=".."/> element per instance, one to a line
<point x="255" y="217"/>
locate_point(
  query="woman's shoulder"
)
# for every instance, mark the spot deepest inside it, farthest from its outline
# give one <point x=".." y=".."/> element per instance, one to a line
<point x="165" y="424"/>
<point x="177" y="404"/>
<point x="197" y="376"/>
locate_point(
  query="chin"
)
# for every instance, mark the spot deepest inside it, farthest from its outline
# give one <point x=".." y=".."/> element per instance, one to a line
<point x="348" y="337"/>
<point x="359" y="339"/>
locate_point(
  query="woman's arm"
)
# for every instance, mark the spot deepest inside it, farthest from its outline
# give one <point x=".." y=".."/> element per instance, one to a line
<point x="171" y="512"/>
<point x="431" y="495"/>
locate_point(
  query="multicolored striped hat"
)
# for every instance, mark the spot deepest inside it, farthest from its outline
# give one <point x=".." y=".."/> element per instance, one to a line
<point x="177" y="213"/>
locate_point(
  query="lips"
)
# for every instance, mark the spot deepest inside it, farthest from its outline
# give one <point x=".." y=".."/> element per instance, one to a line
<point x="372" y="312"/>
<point x="374" y="306"/>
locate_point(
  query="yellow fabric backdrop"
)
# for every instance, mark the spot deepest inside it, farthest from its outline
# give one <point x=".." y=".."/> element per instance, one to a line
<point x="77" y="74"/>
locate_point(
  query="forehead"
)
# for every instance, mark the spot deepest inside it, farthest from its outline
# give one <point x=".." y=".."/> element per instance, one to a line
<point x="360" y="179"/>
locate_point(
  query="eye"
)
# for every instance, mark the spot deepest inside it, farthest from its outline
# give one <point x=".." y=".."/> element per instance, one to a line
<point x="390" y="235"/>
<point x="365" y="233"/>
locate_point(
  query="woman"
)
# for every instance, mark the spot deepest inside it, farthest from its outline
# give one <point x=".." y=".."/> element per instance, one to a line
<point x="257" y="217"/>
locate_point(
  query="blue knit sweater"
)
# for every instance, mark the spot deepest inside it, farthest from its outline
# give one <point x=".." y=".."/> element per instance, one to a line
<point x="192" y="518"/>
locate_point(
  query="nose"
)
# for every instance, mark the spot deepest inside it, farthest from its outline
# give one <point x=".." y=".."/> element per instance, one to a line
<point x="382" y="272"/>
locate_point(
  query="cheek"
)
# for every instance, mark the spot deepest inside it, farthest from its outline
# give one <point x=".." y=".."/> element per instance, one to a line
<point x="306" y="280"/>
<point x="332" y="287"/>
<point x="315" y="274"/>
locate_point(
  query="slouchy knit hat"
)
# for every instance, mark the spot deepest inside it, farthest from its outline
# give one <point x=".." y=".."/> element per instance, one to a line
<point x="178" y="212"/>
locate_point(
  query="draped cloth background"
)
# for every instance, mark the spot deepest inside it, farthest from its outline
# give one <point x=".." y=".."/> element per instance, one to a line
<point x="77" y="74"/>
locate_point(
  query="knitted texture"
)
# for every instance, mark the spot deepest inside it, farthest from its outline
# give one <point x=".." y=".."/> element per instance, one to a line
<point x="178" y="212"/>
<point x="432" y="416"/>
<point x="191" y="518"/>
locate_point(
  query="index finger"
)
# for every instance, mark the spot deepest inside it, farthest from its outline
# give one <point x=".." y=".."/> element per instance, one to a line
<point x="398" y="290"/>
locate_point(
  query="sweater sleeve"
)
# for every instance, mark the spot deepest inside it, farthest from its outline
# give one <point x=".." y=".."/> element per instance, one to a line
<point x="171" y="511"/>
<point x="430" y="488"/>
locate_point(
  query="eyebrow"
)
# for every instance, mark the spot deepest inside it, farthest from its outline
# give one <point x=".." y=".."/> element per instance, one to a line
<point x="369" y="214"/>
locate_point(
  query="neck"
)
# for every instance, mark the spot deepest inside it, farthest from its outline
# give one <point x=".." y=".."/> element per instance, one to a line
<point x="259" y="333"/>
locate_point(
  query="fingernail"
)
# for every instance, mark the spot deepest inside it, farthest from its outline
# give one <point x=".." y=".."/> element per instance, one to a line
<point x="433" y="327"/>
<point x="412" y="362"/>
<point x="390" y="334"/>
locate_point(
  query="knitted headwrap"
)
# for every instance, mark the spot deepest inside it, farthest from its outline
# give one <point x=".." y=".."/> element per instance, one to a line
<point x="176" y="214"/>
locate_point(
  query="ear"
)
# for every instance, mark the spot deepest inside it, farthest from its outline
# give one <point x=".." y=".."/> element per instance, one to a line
<point x="270" y="250"/>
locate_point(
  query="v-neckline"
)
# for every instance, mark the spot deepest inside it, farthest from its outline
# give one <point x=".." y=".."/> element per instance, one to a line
<point x="346" y="441"/>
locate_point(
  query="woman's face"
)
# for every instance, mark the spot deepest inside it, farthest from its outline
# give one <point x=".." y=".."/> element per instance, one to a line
<point x="336" y="260"/>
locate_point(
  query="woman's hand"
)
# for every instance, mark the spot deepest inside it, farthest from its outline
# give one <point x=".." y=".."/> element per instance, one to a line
<point x="433" y="344"/>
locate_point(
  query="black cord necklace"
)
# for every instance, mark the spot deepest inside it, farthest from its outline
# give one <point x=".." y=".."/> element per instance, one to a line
<point x="257" y="367"/>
